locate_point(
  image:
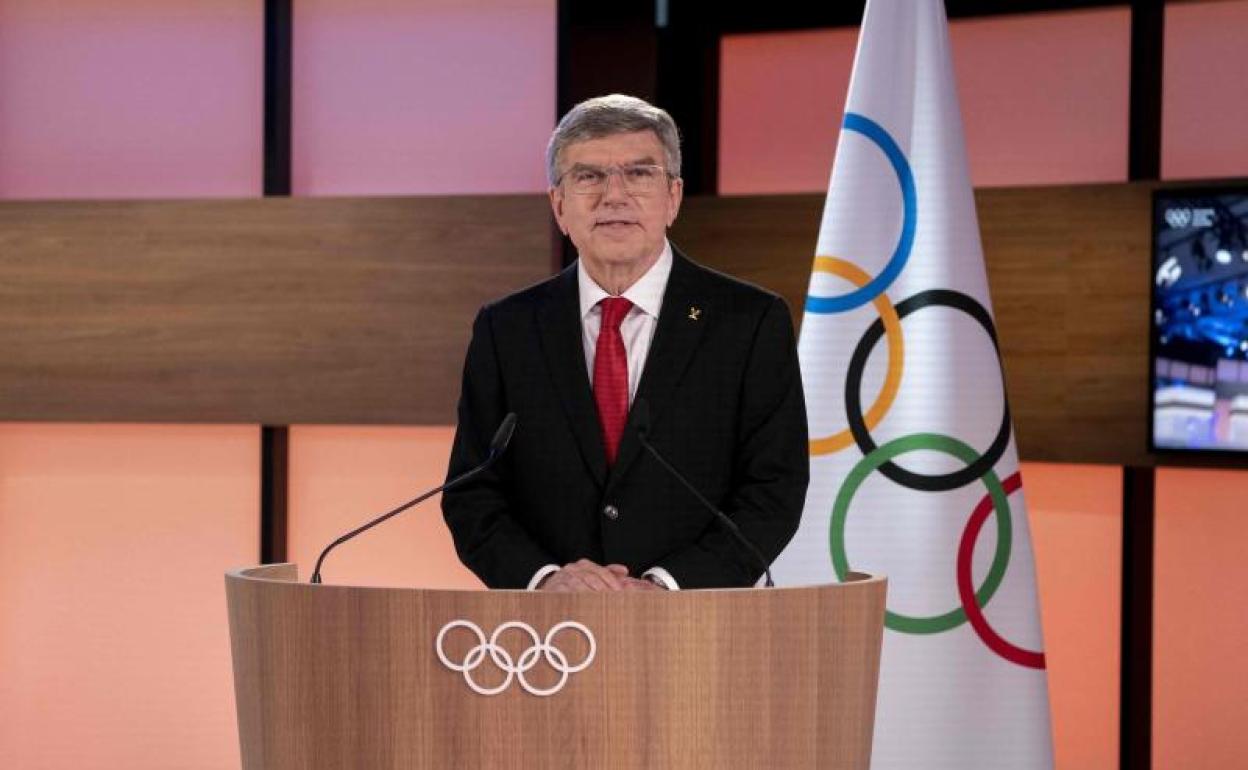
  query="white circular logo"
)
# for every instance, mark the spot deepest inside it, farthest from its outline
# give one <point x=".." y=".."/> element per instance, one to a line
<point x="1178" y="218"/>
<point x="537" y="649"/>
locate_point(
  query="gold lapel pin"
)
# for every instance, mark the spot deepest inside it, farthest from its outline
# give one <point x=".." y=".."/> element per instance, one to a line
<point x="694" y="313"/>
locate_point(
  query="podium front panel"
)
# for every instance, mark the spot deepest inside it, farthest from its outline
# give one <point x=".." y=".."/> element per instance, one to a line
<point x="348" y="677"/>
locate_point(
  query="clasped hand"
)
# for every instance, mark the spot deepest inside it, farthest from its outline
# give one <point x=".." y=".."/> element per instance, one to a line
<point x="585" y="575"/>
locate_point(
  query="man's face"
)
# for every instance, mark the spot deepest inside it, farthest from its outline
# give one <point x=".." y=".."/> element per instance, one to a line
<point x="613" y="227"/>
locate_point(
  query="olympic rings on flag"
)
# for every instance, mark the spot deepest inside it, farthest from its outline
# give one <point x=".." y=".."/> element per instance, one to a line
<point x="896" y="355"/>
<point x="909" y="222"/>
<point x="996" y="495"/>
<point x="853" y="396"/>
<point x="860" y="425"/>
<point x="974" y="612"/>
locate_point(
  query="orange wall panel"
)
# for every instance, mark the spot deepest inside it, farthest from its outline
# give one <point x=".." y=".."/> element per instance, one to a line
<point x="114" y="645"/>
<point x="342" y="476"/>
<point x="1075" y="512"/>
<point x="1043" y="97"/>
<point x="1200" y="625"/>
<point x="1204" y="101"/>
<point x="782" y="96"/>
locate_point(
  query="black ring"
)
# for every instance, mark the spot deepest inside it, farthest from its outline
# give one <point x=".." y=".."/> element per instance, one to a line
<point x="853" y="395"/>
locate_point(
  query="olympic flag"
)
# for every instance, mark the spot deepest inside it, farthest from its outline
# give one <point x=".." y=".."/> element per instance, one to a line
<point x="914" y="470"/>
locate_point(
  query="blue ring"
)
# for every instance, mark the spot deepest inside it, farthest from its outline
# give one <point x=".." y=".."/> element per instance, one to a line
<point x="876" y="286"/>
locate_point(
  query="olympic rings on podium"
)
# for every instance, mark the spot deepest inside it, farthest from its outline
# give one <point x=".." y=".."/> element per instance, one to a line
<point x="515" y="669"/>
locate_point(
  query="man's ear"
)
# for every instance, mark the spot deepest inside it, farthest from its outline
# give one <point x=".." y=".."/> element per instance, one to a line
<point x="556" y="208"/>
<point x="678" y="195"/>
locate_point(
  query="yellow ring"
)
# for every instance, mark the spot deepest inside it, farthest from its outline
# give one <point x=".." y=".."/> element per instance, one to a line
<point x="896" y="355"/>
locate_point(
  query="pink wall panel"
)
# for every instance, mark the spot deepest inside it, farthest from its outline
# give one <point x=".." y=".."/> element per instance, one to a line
<point x="439" y="97"/>
<point x="114" y="539"/>
<point x="781" y="101"/>
<point x="1044" y="101"/>
<point x="1045" y="96"/>
<point x="1200" y="646"/>
<point x="1205" y="91"/>
<point x="130" y="99"/>
<point x="341" y="477"/>
<point x="1075" y="512"/>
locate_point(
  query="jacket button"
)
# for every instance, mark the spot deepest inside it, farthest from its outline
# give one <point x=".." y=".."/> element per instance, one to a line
<point x="611" y="512"/>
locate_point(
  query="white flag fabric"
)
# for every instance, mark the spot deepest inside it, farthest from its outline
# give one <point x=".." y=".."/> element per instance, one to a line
<point x="914" y="470"/>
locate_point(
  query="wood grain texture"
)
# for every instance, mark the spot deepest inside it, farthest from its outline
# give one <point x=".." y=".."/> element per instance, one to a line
<point x="1069" y="271"/>
<point x="341" y="677"/>
<point x="1068" y="268"/>
<point x="274" y="311"/>
<point x="359" y="310"/>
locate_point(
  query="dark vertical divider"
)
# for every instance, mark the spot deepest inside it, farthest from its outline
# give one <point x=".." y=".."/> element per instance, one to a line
<point x="278" y="18"/>
<point x="688" y="87"/>
<point x="1135" y="738"/>
<point x="275" y="439"/>
<point x="274" y="452"/>
<point x="1144" y="121"/>
<point x="1136" y="687"/>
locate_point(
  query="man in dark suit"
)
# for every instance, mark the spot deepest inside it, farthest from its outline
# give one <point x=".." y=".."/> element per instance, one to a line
<point x="576" y="503"/>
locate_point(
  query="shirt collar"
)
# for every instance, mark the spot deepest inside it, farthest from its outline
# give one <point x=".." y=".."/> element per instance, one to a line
<point x="646" y="293"/>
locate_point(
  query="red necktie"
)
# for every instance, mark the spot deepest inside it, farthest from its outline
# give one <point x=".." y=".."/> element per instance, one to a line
<point x="611" y="374"/>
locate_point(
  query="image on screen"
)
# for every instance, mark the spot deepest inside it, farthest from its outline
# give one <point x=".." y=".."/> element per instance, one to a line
<point x="1200" y="320"/>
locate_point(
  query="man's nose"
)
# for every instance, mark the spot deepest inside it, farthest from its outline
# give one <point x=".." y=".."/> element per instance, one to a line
<point x="614" y="189"/>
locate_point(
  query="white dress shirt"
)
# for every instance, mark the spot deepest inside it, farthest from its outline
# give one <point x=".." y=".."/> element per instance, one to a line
<point x="638" y="325"/>
<point x="637" y="329"/>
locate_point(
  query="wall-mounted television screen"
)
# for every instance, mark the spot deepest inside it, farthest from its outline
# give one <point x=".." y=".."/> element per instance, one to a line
<point x="1200" y="319"/>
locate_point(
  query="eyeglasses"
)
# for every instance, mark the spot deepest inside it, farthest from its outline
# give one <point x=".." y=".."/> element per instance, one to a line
<point x="637" y="178"/>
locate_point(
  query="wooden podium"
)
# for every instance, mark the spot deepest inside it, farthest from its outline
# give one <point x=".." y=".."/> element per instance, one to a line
<point x="344" y="677"/>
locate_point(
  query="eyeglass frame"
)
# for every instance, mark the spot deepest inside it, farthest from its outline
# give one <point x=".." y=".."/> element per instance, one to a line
<point x="609" y="171"/>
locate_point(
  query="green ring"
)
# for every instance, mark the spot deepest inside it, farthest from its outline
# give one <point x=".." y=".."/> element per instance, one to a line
<point x="1001" y="505"/>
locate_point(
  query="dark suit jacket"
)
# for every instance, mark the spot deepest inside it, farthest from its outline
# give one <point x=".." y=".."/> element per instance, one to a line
<point x="726" y="408"/>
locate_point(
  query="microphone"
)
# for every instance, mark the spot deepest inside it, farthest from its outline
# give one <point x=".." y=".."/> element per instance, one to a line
<point x="498" y="445"/>
<point x="641" y="420"/>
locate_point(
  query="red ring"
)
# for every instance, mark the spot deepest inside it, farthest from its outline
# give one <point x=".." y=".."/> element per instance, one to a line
<point x="966" y="592"/>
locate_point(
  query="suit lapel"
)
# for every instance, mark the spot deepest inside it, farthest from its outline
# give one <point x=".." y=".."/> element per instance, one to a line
<point x="559" y="326"/>
<point x="682" y="319"/>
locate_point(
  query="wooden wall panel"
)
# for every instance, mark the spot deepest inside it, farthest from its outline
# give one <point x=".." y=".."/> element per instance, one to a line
<point x="765" y="239"/>
<point x="358" y="310"/>
<point x="1068" y="270"/>
<point x="253" y="311"/>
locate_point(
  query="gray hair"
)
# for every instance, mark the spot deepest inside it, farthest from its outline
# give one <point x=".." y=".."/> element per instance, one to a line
<point x="609" y="115"/>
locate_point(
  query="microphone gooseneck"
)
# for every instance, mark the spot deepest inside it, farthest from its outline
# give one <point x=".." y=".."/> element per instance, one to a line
<point x="498" y="445"/>
<point x="641" y="422"/>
